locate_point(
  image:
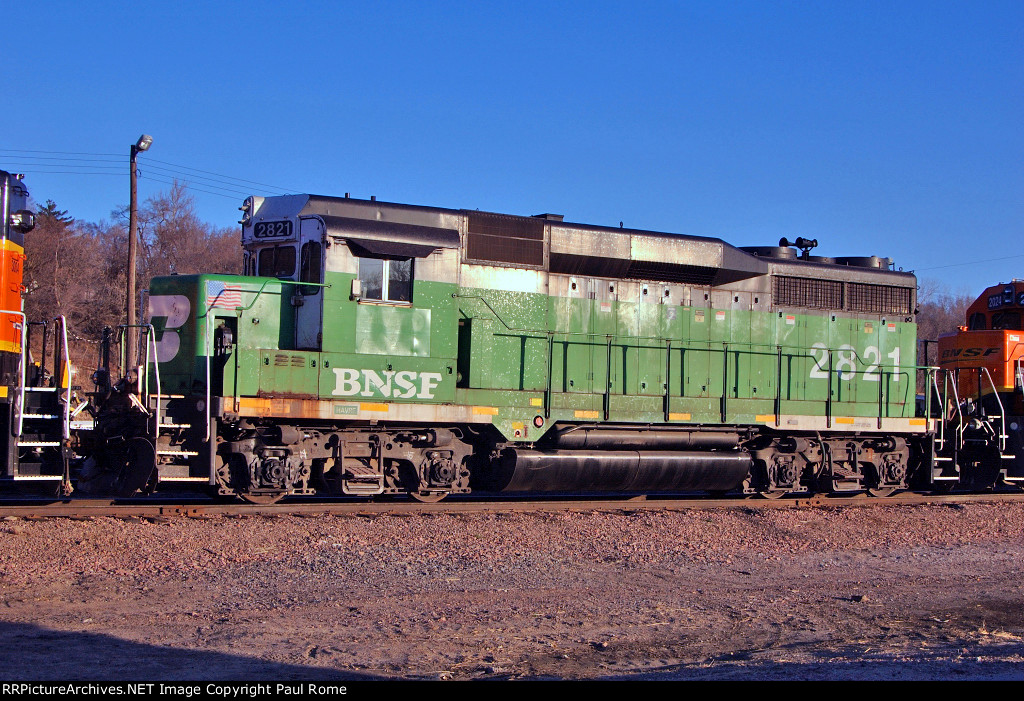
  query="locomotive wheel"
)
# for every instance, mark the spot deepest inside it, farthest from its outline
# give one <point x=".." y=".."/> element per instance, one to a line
<point x="773" y="493"/>
<point x="263" y="499"/>
<point x="882" y="492"/>
<point x="428" y="497"/>
<point x="139" y="465"/>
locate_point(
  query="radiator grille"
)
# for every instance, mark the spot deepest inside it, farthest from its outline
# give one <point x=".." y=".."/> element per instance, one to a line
<point x="807" y="292"/>
<point x="833" y="294"/>
<point x="881" y="299"/>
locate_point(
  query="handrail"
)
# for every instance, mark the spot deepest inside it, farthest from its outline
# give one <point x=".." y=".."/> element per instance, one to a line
<point x="122" y="330"/>
<point x="954" y="382"/>
<point x="661" y="339"/>
<point x="21" y="364"/>
<point x="902" y="370"/>
<point x="942" y="398"/>
<point x="209" y="356"/>
<point x="59" y="377"/>
<point x="151" y="342"/>
<point x="1002" y="411"/>
<point x="260" y="292"/>
<point x="659" y="342"/>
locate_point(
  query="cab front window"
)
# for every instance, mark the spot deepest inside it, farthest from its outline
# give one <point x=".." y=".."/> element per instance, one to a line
<point x="277" y="261"/>
<point x="1009" y="320"/>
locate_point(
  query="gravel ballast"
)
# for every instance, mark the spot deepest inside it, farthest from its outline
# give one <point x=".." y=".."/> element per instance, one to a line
<point x="887" y="592"/>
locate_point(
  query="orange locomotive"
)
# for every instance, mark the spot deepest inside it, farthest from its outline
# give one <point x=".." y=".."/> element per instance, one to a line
<point x="988" y="353"/>
<point x="18" y="221"/>
<point x="980" y="384"/>
<point x="34" y="417"/>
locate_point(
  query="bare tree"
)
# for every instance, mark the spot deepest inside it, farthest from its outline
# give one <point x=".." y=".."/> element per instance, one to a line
<point x="79" y="269"/>
<point x="60" y="277"/>
<point x="941" y="312"/>
<point x="174" y="240"/>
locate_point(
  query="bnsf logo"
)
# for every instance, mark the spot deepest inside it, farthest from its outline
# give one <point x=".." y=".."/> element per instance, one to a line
<point x="953" y="353"/>
<point x="404" y="384"/>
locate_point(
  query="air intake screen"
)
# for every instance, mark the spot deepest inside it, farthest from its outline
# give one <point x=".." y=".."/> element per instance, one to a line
<point x="881" y="299"/>
<point x="670" y="272"/>
<point x="499" y="238"/>
<point x="807" y="292"/>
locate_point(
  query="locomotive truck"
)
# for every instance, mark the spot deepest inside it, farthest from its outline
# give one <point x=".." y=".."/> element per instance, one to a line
<point x="373" y="348"/>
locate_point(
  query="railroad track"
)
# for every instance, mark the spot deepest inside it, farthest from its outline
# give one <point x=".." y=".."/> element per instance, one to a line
<point x="163" y="508"/>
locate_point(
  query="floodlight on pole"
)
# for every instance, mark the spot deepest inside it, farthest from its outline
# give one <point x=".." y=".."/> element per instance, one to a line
<point x="143" y="144"/>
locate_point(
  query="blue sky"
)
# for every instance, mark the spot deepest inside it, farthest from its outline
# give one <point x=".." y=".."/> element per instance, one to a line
<point x="879" y="128"/>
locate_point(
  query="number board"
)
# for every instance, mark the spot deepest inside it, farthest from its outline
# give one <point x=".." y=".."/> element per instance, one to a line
<point x="272" y="229"/>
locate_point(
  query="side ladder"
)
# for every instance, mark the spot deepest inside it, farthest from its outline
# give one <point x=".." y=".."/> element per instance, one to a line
<point x="41" y="411"/>
<point x="172" y="431"/>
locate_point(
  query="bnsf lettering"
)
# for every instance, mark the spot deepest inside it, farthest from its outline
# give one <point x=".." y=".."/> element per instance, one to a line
<point x="968" y="352"/>
<point x="404" y="384"/>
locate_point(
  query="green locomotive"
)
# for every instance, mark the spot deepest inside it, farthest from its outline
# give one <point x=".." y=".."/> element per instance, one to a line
<point x="374" y="348"/>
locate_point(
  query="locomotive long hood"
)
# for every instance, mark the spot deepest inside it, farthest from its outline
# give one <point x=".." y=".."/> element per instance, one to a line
<point x="638" y="255"/>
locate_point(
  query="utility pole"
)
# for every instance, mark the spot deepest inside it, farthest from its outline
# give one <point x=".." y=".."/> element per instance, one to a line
<point x="131" y="333"/>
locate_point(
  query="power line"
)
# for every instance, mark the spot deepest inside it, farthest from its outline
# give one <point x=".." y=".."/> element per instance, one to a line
<point x="221" y="175"/>
<point x="55" y="158"/>
<point x="192" y="187"/>
<point x="972" y="262"/>
<point x="71" y="153"/>
<point x="48" y="169"/>
<point x="211" y="182"/>
<point x="71" y="159"/>
<point x="67" y="172"/>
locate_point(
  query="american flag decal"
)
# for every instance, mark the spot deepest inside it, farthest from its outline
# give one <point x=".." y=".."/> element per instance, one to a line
<point x="223" y="295"/>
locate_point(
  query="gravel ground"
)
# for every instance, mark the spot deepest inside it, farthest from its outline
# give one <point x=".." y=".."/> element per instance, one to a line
<point x="888" y="592"/>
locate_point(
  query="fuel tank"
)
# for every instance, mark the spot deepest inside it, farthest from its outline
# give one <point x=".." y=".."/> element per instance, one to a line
<point x="520" y="470"/>
<point x="640" y="440"/>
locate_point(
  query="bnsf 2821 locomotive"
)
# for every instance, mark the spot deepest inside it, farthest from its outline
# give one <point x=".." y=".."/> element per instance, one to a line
<point x="374" y="348"/>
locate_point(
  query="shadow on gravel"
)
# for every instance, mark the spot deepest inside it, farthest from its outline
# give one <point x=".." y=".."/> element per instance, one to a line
<point x="31" y="653"/>
<point x="1001" y="663"/>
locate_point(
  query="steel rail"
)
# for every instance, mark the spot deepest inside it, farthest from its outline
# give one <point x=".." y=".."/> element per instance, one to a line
<point x="79" y="508"/>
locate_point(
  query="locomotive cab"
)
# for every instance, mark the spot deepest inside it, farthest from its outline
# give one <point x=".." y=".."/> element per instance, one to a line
<point x="341" y="314"/>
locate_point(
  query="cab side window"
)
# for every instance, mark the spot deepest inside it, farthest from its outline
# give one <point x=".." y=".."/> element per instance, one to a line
<point x="310" y="267"/>
<point x="386" y="279"/>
